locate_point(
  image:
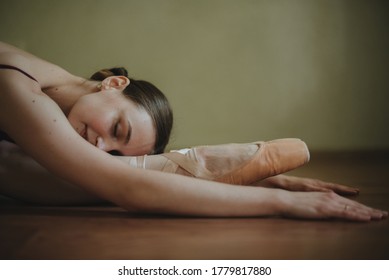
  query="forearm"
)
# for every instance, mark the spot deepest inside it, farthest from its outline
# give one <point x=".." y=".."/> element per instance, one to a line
<point x="158" y="192"/>
<point x="23" y="178"/>
<point x="175" y="194"/>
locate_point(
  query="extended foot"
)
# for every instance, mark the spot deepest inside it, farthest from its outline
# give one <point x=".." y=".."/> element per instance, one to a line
<point x="240" y="164"/>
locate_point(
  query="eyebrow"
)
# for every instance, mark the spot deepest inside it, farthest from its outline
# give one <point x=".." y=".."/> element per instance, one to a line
<point x="129" y="131"/>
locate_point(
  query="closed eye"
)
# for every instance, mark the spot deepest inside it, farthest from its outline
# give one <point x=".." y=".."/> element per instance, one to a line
<point x="115" y="129"/>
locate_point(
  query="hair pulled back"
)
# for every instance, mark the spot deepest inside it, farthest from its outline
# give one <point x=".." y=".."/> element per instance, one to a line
<point x="149" y="97"/>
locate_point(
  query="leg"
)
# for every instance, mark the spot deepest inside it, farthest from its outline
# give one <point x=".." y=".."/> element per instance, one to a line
<point x="239" y="164"/>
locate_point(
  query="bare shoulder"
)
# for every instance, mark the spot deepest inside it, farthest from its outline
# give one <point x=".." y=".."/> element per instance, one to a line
<point x="29" y="116"/>
<point x="38" y="125"/>
<point x="4" y="47"/>
<point x="40" y="128"/>
<point x="47" y="73"/>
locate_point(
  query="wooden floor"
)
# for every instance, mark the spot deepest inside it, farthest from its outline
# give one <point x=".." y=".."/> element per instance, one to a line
<point x="28" y="232"/>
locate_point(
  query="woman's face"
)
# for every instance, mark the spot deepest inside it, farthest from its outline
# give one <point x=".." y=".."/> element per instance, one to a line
<point x="112" y="122"/>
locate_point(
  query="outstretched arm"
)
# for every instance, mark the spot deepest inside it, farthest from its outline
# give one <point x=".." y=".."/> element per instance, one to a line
<point x="19" y="172"/>
<point x="23" y="178"/>
<point x="292" y="183"/>
<point x="38" y="125"/>
<point x="31" y="182"/>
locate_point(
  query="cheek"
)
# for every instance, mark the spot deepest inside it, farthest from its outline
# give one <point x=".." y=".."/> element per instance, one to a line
<point x="99" y="124"/>
<point x="78" y="112"/>
<point x="79" y="117"/>
<point x="75" y="121"/>
<point x="146" y="141"/>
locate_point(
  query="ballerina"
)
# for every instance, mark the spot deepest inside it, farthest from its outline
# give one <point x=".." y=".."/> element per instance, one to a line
<point x="67" y="125"/>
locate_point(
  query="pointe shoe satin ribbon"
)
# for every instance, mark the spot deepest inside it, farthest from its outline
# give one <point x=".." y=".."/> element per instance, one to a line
<point x="271" y="158"/>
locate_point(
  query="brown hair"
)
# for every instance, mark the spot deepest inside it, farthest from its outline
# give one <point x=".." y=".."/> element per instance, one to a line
<point x="149" y="97"/>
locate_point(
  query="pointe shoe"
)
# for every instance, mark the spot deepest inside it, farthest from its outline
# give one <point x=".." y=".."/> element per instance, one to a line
<point x="271" y="158"/>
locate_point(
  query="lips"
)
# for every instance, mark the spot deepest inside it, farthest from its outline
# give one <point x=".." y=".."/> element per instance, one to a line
<point x="99" y="142"/>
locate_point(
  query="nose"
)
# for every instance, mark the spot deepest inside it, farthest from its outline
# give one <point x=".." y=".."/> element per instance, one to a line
<point x="105" y="145"/>
<point x="101" y="143"/>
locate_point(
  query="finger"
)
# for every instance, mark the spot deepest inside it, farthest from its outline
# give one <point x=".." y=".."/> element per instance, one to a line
<point x="319" y="185"/>
<point x="373" y="211"/>
<point x="361" y="212"/>
<point x="374" y="214"/>
<point x="341" y="189"/>
<point x="315" y="188"/>
<point x="378" y="214"/>
<point x="353" y="213"/>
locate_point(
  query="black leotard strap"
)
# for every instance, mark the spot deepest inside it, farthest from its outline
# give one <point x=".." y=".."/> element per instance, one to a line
<point x="5" y="66"/>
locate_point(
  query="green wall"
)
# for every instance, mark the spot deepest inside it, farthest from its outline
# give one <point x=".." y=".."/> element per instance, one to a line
<point x="234" y="71"/>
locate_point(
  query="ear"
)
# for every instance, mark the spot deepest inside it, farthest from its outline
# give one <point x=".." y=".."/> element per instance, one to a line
<point x="115" y="82"/>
